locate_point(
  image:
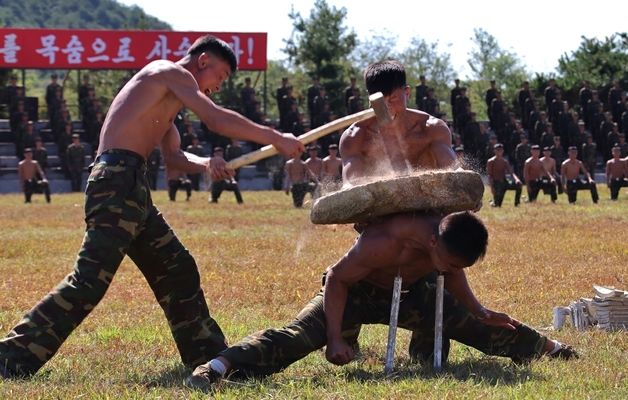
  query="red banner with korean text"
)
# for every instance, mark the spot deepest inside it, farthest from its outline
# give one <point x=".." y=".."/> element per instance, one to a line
<point x="112" y="49"/>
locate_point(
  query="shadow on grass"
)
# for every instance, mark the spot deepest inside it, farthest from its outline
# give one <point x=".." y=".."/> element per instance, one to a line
<point x="490" y="371"/>
<point x="171" y="377"/>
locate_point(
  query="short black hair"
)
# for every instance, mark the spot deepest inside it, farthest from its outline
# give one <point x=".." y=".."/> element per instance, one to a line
<point x="217" y="47"/>
<point x="464" y="236"/>
<point x="384" y="76"/>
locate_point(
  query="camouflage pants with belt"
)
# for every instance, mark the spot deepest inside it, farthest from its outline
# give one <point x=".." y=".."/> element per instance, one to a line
<point x="121" y="219"/>
<point x="272" y="350"/>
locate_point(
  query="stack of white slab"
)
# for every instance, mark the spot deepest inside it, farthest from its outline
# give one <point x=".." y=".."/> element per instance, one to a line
<point x="609" y="308"/>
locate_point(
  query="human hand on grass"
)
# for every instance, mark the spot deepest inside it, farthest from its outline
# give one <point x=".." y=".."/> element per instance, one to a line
<point x="492" y="318"/>
<point x="339" y="352"/>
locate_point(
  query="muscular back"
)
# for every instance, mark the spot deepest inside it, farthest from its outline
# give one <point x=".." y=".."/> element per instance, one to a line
<point x="417" y="141"/>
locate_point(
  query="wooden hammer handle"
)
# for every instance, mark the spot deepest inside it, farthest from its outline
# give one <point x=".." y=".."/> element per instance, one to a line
<point x="270" y="150"/>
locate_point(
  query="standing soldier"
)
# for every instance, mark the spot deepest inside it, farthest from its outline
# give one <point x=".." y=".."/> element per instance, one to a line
<point x="32" y="177"/>
<point x="497" y="168"/>
<point x="75" y="155"/>
<point x="197" y="149"/>
<point x="570" y="172"/>
<point x="522" y="153"/>
<point x="421" y="93"/>
<point x="40" y="154"/>
<point x="589" y="153"/>
<point x="154" y="161"/>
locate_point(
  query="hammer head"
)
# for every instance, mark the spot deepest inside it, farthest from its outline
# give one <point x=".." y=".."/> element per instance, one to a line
<point x="380" y="108"/>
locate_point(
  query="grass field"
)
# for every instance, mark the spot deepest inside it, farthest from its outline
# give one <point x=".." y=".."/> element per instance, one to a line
<point x="262" y="261"/>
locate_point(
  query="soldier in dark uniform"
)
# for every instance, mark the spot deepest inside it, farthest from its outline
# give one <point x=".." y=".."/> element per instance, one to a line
<point x="455" y="91"/>
<point x="431" y="105"/>
<point x="523" y="98"/>
<point x="421" y="93"/>
<point x="497" y="116"/>
<point x="40" y="154"/>
<point x="550" y="93"/>
<point x="555" y="108"/>
<point x="247" y="97"/>
<point x="490" y="94"/>
<point x="177" y="180"/>
<point x="197" y="149"/>
<point x="51" y="96"/>
<point x="592" y="110"/>
<point x="154" y="161"/>
<point x="280" y="95"/>
<point x="351" y="91"/>
<point x="585" y="94"/>
<point x="589" y="153"/>
<point x="614" y="101"/>
<point x="312" y="92"/>
<point x="75" y="155"/>
<point x="63" y="141"/>
<point x="522" y="153"/>
<point x="471" y="135"/>
<point x="463" y="109"/>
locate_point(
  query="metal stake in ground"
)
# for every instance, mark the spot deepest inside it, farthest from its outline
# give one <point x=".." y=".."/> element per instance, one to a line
<point x="392" y="326"/>
<point x="438" y="323"/>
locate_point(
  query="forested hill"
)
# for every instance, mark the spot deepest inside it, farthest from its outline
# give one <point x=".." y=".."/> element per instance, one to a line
<point x="76" y="14"/>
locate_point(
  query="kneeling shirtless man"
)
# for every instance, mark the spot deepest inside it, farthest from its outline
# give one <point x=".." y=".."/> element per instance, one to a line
<point x="357" y="290"/>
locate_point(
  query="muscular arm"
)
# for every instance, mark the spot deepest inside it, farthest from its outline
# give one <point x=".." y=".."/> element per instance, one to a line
<point x="608" y="173"/>
<point x="456" y="283"/>
<point x="41" y="171"/>
<point x="489" y="172"/>
<point x="584" y="171"/>
<point x="441" y="143"/>
<point x="563" y="174"/>
<point x="178" y="159"/>
<point x="353" y="166"/>
<point x="219" y="119"/>
<point x="372" y="250"/>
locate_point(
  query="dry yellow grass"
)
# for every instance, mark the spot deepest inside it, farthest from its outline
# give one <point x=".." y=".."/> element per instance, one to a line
<point x="262" y="261"/>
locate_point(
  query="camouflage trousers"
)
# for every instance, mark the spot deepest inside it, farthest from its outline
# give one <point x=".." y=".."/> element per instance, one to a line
<point x="272" y="350"/>
<point x="121" y="219"/>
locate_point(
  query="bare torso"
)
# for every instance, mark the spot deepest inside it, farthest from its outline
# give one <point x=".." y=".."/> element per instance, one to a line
<point x="28" y="169"/>
<point x="142" y="112"/>
<point x="550" y="164"/>
<point x="572" y="169"/>
<point x="412" y="262"/>
<point x="332" y="168"/>
<point x="315" y="165"/>
<point x="420" y="141"/>
<point x="616" y="169"/>
<point x="497" y="168"/>
<point x="297" y="171"/>
<point x="534" y="169"/>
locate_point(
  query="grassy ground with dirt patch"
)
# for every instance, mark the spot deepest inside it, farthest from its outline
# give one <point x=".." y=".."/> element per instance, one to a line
<point x="261" y="262"/>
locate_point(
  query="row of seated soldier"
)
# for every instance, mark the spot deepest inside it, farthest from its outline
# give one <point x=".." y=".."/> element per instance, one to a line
<point x="545" y="174"/>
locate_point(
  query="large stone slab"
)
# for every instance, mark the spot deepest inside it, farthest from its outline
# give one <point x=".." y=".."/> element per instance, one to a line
<point x="439" y="191"/>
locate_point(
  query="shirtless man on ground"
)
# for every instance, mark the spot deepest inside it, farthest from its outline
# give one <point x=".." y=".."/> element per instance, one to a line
<point x="533" y="173"/>
<point x="357" y="290"/>
<point x="616" y="177"/>
<point x="121" y="218"/>
<point x="570" y="172"/>
<point x="178" y="180"/>
<point x="32" y="177"/>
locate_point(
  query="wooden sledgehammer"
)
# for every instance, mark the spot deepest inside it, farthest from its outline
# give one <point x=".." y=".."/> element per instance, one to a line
<point x="379" y="109"/>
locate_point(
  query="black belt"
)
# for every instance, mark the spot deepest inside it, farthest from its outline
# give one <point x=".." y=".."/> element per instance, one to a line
<point x="121" y="157"/>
